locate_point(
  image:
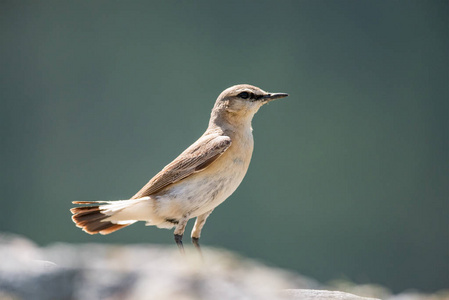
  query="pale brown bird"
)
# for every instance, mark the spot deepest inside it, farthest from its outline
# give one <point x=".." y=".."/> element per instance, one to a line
<point x="197" y="181"/>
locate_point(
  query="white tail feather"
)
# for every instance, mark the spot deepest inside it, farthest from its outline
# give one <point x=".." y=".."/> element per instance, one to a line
<point x="127" y="211"/>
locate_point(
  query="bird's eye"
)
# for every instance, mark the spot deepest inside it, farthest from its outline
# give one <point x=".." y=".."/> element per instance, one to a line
<point x="243" y="95"/>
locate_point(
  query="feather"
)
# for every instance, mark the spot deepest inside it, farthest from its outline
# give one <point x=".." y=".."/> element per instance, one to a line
<point x="194" y="159"/>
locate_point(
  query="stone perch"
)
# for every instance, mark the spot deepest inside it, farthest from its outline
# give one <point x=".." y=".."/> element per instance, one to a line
<point x="141" y="272"/>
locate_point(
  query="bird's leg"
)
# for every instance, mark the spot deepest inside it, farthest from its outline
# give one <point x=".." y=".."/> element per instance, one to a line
<point x="179" y="231"/>
<point x="196" y="231"/>
<point x="178" y="240"/>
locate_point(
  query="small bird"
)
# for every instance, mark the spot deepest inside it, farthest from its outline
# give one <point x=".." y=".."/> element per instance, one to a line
<point x="197" y="181"/>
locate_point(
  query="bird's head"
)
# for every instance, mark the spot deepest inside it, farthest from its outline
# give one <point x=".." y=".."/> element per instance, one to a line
<point x="241" y="102"/>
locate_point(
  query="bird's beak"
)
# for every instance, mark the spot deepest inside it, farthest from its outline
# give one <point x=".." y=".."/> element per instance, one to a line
<point x="273" y="96"/>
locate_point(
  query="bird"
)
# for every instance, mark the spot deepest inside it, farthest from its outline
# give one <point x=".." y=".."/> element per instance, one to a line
<point x="195" y="182"/>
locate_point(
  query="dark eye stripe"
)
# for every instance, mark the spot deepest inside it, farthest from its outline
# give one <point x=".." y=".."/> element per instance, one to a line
<point x="258" y="97"/>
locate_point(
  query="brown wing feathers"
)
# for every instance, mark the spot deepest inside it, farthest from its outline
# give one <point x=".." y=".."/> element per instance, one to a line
<point x="196" y="158"/>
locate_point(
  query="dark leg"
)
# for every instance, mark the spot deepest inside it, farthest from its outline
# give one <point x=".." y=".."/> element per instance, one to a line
<point x="196" y="231"/>
<point x="178" y="240"/>
<point x="196" y="243"/>
<point x="179" y="231"/>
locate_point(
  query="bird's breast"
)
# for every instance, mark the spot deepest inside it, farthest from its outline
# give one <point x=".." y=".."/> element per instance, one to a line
<point x="205" y="190"/>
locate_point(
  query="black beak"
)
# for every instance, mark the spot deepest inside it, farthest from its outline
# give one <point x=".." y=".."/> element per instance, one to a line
<point x="274" y="96"/>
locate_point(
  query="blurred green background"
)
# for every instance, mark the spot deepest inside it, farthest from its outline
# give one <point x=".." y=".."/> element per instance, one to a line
<point x="349" y="178"/>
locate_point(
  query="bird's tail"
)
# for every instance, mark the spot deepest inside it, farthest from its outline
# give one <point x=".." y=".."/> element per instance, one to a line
<point x="105" y="217"/>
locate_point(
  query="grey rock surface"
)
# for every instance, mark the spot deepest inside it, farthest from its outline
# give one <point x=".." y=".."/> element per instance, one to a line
<point x="306" y="294"/>
<point x="141" y="272"/>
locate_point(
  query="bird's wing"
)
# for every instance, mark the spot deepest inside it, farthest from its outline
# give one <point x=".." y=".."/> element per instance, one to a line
<point x="194" y="159"/>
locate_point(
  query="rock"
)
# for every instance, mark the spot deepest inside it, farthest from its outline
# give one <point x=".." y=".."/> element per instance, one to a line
<point x="305" y="294"/>
<point x="142" y="272"/>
